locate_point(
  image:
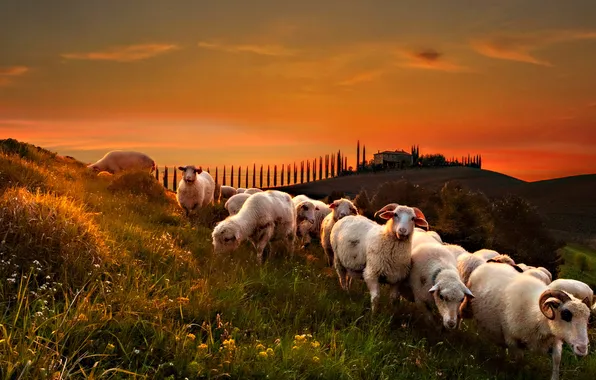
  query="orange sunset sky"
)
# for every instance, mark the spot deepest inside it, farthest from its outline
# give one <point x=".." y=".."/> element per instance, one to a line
<point x="236" y="82"/>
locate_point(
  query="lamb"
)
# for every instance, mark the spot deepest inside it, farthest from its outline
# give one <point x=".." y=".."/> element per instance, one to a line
<point x="468" y="262"/>
<point x="117" y="161"/>
<point x="306" y="229"/>
<point x="376" y="252"/>
<point x="339" y="209"/>
<point x="234" y="204"/>
<point x="520" y="311"/>
<point x="578" y="289"/>
<point x="195" y="189"/>
<point x="226" y="192"/>
<point x="253" y="190"/>
<point x="264" y="217"/>
<point x="435" y="280"/>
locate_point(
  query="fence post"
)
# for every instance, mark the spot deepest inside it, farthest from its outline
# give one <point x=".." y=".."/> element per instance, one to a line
<point x="314" y="170"/>
<point x="275" y="176"/>
<point x="216" y="174"/>
<point x="281" y="177"/>
<point x="295" y="174"/>
<point x="165" y="177"/>
<point x="307" y="170"/>
<point x="320" y="168"/>
<point x="240" y="176"/>
<point x="175" y="180"/>
<point x="156" y="173"/>
<point x="223" y="179"/>
<point x="246" y="177"/>
<point x="232" y="176"/>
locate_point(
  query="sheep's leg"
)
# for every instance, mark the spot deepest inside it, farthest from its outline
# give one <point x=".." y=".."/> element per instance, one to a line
<point x="394" y="292"/>
<point x="557" y="350"/>
<point x="329" y="254"/>
<point x="262" y="242"/>
<point x="373" y="288"/>
<point x="342" y="273"/>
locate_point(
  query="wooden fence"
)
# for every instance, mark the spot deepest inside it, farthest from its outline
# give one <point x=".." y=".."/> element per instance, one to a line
<point x="264" y="176"/>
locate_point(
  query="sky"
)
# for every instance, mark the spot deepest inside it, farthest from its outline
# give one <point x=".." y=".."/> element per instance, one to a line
<point x="235" y="82"/>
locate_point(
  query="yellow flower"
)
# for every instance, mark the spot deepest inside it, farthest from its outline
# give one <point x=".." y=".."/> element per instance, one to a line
<point x="315" y="359"/>
<point x="315" y="344"/>
<point x="260" y="347"/>
<point x="82" y="317"/>
<point x="300" y="338"/>
<point x="270" y="351"/>
<point x="110" y="347"/>
<point x="262" y="354"/>
<point x="191" y="336"/>
<point x="202" y="346"/>
<point x="295" y="348"/>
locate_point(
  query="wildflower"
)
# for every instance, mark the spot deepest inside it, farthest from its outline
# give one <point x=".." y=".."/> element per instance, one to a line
<point x="229" y="344"/>
<point x="294" y="347"/>
<point x="202" y="346"/>
<point x="262" y="354"/>
<point x="270" y="351"/>
<point x="136" y="351"/>
<point x="316" y="359"/>
<point x="183" y="300"/>
<point x="82" y="317"/>
<point x="191" y="336"/>
<point x="300" y="338"/>
<point x="260" y="347"/>
<point x="110" y="347"/>
<point x="315" y="344"/>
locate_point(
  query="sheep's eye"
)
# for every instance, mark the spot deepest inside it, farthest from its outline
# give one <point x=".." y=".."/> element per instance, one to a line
<point x="441" y="297"/>
<point x="413" y="218"/>
<point x="566" y="315"/>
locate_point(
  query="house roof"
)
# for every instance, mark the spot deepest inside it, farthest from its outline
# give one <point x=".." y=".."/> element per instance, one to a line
<point x="394" y="151"/>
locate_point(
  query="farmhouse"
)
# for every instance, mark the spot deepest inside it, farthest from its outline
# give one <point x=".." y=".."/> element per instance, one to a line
<point x="393" y="159"/>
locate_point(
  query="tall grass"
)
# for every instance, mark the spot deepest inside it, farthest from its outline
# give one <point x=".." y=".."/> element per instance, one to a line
<point x="160" y="304"/>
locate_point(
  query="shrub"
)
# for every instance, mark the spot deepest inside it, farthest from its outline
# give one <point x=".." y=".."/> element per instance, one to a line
<point x="582" y="262"/>
<point x="335" y="195"/>
<point x="209" y="216"/>
<point x="26" y="151"/>
<point x="408" y="194"/>
<point x="139" y="183"/>
<point x="363" y="204"/>
<point x="17" y="172"/>
<point x="50" y="234"/>
<point x="520" y="231"/>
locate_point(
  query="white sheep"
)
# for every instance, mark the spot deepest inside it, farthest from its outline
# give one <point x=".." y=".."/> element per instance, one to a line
<point x="253" y="190"/>
<point x="264" y="217"/>
<point x="522" y="312"/>
<point x="578" y="289"/>
<point x="195" y="189"/>
<point x="540" y="273"/>
<point x="340" y="208"/>
<point x="486" y="253"/>
<point x="468" y="262"/>
<point x="456" y="250"/>
<point x="307" y="230"/>
<point x="234" y="204"/>
<point x="240" y="190"/>
<point x="226" y="192"/>
<point x="421" y="236"/>
<point x="119" y="160"/>
<point x="434" y="280"/>
<point x="378" y="253"/>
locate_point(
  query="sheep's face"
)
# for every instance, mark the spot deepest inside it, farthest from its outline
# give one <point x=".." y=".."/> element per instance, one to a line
<point x="342" y="208"/>
<point x="448" y="298"/>
<point x="305" y="211"/>
<point x="403" y="219"/>
<point x="190" y="173"/>
<point x="226" y="237"/>
<point x="568" y="318"/>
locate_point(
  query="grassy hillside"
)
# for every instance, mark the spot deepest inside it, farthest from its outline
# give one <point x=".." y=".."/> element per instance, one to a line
<point x="107" y="279"/>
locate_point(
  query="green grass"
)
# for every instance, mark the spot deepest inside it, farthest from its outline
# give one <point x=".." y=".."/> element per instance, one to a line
<point x="161" y="305"/>
<point x="580" y="264"/>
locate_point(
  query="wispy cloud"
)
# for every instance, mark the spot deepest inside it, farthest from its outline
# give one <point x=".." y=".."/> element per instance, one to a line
<point x="128" y="53"/>
<point x="431" y="59"/>
<point x="7" y="74"/>
<point x="520" y="47"/>
<point x="364" y="77"/>
<point x="259" y="49"/>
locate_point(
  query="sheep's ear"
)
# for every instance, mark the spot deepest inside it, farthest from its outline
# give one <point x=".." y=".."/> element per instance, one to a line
<point x="390" y="206"/>
<point x="387" y="215"/>
<point x="333" y="205"/>
<point x="183" y="168"/>
<point x="420" y="219"/>
<point x="468" y="292"/>
<point x="588" y="302"/>
<point x="434" y="288"/>
<point x="199" y="170"/>
<point x="517" y="268"/>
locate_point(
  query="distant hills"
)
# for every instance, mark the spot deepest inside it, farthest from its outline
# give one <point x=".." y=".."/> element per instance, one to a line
<point x="569" y="203"/>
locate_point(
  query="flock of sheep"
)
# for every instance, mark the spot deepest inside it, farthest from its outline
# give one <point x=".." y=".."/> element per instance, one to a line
<point x="516" y="305"/>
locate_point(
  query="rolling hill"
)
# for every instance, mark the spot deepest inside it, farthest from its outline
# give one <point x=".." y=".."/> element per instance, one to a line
<point x="569" y="204"/>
